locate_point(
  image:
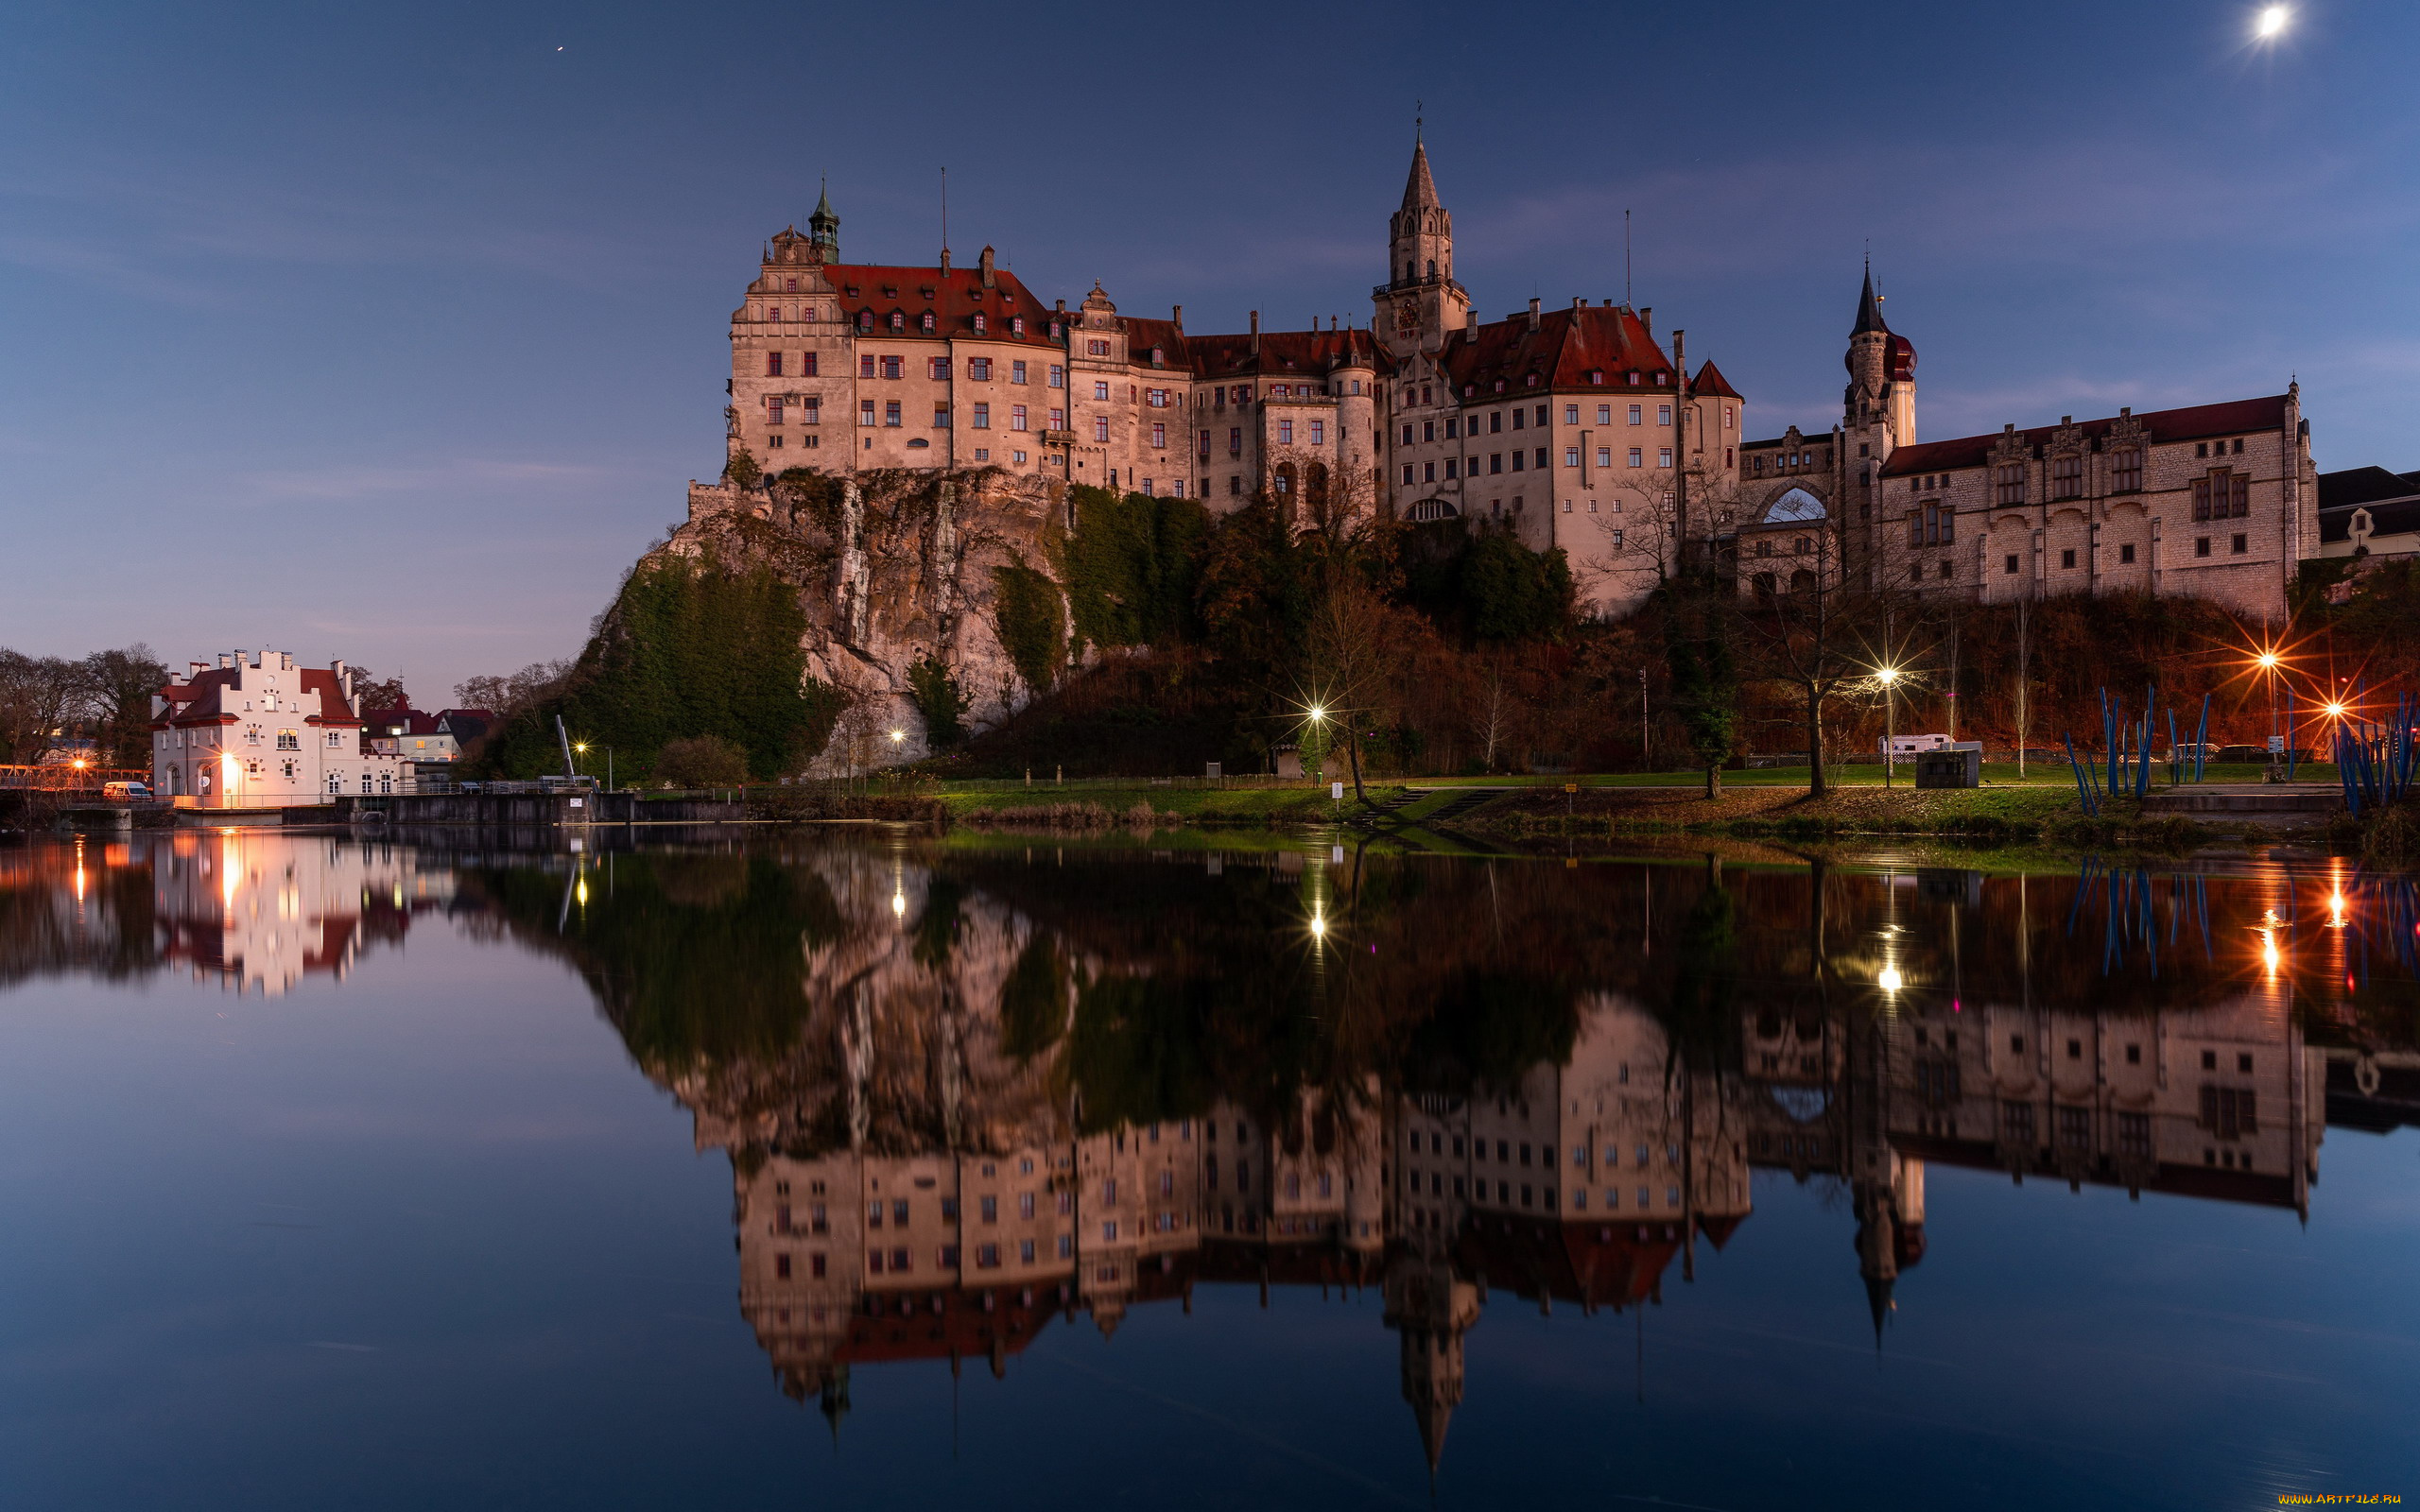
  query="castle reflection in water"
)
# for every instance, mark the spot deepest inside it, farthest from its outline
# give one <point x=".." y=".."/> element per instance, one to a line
<point x="968" y="1092"/>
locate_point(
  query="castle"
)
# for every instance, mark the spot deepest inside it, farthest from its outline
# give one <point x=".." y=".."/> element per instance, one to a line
<point x="1575" y="428"/>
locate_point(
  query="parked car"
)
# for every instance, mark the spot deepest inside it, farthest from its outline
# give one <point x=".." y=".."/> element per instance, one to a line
<point x="125" y="792"/>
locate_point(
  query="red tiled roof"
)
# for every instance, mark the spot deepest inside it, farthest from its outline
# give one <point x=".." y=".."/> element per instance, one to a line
<point x="2234" y="417"/>
<point x="1567" y="345"/>
<point x="956" y="296"/>
<point x="196" y="702"/>
<point x="332" y="708"/>
<point x="1283" y="353"/>
<point x="1710" y="381"/>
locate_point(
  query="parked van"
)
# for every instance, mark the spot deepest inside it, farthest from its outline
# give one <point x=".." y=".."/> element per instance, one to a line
<point x="125" y="792"/>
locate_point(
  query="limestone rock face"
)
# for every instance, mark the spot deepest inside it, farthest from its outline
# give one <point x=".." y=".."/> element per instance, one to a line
<point x="891" y="567"/>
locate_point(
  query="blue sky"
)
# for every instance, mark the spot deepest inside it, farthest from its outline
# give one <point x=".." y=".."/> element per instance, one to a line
<point x="394" y="334"/>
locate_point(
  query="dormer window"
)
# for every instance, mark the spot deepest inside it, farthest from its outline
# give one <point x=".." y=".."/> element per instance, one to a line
<point x="1470" y="390"/>
<point x="1016" y="325"/>
<point x="853" y="291"/>
<point x="865" y="319"/>
<point x="898" y="320"/>
<point x="891" y="291"/>
<point x="980" y="323"/>
<point x="1595" y="375"/>
<point x="925" y="322"/>
<point x="1057" y="330"/>
<point x="1532" y="380"/>
<point x="1159" y="357"/>
<point x="925" y="293"/>
<point x="1633" y="377"/>
<point x="1662" y="378"/>
<point x="1499" y="385"/>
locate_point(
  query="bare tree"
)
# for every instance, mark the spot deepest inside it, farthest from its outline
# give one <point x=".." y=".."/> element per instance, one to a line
<point x="1810" y="633"/>
<point x="39" y="697"/>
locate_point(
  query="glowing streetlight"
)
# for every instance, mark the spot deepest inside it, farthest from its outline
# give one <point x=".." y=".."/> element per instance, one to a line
<point x="1888" y="677"/>
<point x="2268" y="661"/>
<point x="898" y="905"/>
<point x="2333" y="710"/>
<point x="2272" y="22"/>
<point x="1889" y="980"/>
<point x="1317" y="713"/>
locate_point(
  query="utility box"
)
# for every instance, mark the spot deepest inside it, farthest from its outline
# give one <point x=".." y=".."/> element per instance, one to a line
<point x="1953" y="766"/>
<point x="1212" y="771"/>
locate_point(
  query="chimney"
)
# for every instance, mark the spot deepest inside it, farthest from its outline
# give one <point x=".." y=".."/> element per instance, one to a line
<point x="1062" y="306"/>
<point x="1578" y="302"/>
<point x="195" y="669"/>
<point x="984" y="262"/>
<point x="944" y="259"/>
<point x="1256" y="334"/>
<point x="1470" y="323"/>
<point x="1179" y="319"/>
<point x="1647" y="318"/>
<point x="1533" y="315"/>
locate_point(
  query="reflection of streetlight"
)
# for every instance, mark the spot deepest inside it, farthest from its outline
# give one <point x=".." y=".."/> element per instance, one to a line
<point x="1889" y="980"/>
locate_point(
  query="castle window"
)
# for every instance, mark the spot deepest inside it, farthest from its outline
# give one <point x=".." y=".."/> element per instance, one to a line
<point x="1571" y="414"/>
<point x="1159" y="433"/>
<point x="1100" y="391"/>
<point x="1016" y="372"/>
<point x="1571" y="457"/>
<point x="1285" y="432"/>
<point x="982" y="322"/>
<point x="2238" y="543"/>
<point x="2012" y="486"/>
<point x="1532" y="380"/>
<point x="807" y="364"/>
<point x="1159" y="357"/>
<point x="939" y="368"/>
<point x="2067" y="558"/>
<point x="1057" y="376"/>
<point x="865" y="320"/>
<point x="1016" y="325"/>
<point x="891" y="413"/>
<point x="1318" y="433"/>
<point x="2125" y="470"/>
<point x="789" y="285"/>
<point x="1017" y="417"/>
<point x="773" y="313"/>
<point x="1633" y="377"/>
<point x="865" y="365"/>
<point x="2066" y="477"/>
<point x="1663" y="414"/>
<point x="1055" y="330"/>
<point x="773" y="410"/>
<point x="1638" y="414"/>
<point x="1595" y="375"/>
<point x="979" y="369"/>
<point x="1664" y="457"/>
<point x="1637" y="456"/>
<point x="1097" y="349"/>
<point x="865" y="412"/>
<point x="773" y="365"/>
<point x="1662" y="378"/>
<point x="2126" y="554"/>
<point x="1605" y="457"/>
<point x="898" y="319"/>
<point x="2010" y="568"/>
<point x="1101" y="428"/>
<point x="1945" y="569"/>
<point x="982" y="417"/>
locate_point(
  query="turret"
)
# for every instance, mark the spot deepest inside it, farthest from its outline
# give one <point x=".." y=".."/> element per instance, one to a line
<point x="824" y="228"/>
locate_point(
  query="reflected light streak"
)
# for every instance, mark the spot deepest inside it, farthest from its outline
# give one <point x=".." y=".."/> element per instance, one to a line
<point x="1889" y="980"/>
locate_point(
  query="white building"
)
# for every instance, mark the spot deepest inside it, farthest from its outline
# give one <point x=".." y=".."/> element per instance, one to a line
<point x="258" y="731"/>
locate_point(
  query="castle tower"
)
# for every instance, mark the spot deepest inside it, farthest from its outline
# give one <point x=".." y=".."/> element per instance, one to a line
<point x="1879" y="405"/>
<point x="1430" y="1308"/>
<point x="1420" y="301"/>
<point x="824" y="226"/>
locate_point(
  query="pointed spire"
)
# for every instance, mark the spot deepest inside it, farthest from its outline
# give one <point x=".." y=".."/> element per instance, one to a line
<point x="823" y="225"/>
<point x="1877" y="1301"/>
<point x="1420" y="190"/>
<point x="1869" y="309"/>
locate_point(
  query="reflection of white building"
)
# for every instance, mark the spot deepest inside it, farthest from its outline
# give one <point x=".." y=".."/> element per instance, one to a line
<point x="262" y="909"/>
<point x="258" y="731"/>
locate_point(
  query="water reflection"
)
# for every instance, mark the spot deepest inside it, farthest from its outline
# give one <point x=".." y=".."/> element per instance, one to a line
<point x="968" y="1092"/>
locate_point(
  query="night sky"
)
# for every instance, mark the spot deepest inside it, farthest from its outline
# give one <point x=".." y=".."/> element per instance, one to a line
<point x="394" y="334"/>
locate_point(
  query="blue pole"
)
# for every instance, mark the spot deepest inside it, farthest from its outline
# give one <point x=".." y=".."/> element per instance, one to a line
<point x="2289" y="734"/>
<point x="2202" y="738"/>
<point x="2083" y="787"/>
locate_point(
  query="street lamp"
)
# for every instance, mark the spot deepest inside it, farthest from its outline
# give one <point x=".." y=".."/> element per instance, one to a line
<point x="1888" y="677"/>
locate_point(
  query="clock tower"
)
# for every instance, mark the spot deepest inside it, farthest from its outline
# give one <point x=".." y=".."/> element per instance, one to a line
<point x="1420" y="303"/>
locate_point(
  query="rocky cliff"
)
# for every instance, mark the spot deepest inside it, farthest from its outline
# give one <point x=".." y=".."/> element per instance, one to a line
<point x="895" y="569"/>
